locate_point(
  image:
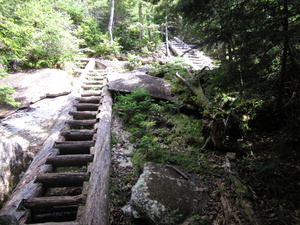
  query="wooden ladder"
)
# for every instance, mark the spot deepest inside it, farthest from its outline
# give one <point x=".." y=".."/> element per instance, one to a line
<point x="64" y="194"/>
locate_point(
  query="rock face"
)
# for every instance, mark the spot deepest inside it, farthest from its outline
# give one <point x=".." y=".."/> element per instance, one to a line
<point x="163" y="196"/>
<point x="34" y="85"/>
<point x="13" y="162"/>
<point x="130" y="81"/>
<point x="8" y="220"/>
<point x="24" y="131"/>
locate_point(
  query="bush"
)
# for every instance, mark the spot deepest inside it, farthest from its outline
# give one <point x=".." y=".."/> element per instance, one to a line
<point x="37" y="35"/>
<point x="161" y="133"/>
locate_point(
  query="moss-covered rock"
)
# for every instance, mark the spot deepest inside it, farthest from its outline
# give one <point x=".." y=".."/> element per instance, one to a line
<point x="164" y="196"/>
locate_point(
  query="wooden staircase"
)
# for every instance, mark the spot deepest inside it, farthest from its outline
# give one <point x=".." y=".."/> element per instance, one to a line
<point x="193" y="57"/>
<point x="59" y="180"/>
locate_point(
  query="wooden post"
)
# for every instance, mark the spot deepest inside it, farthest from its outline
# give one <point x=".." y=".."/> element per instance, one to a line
<point x="96" y="210"/>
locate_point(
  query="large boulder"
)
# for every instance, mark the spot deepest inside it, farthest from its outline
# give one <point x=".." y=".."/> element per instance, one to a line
<point x="130" y="81"/>
<point x="8" y="220"/>
<point x="164" y="196"/>
<point x="34" y="85"/>
<point x="13" y="161"/>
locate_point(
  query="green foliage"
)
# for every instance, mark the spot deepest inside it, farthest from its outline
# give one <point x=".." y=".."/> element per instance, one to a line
<point x="172" y="218"/>
<point x="162" y="134"/>
<point x="36" y="35"/>
<point x="133" y="62"/>
<point x="256" y="48"/>
<point x="96" y="42"/>
<point x="168" y="70"/>
<point x="5" y="93"/>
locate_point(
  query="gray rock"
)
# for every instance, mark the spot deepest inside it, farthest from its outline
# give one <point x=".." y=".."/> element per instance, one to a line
<point x="13" y="162"/>
<point x="8" y="220"/>
<point x="163" y="196"/>
<point x="130" y="81"/>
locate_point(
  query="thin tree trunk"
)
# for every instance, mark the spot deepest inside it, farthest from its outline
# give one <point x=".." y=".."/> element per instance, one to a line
<point x="141" y="19"/>
<point x="149" y="29"/>
<point x="167" y="38"/>
<point x="111" y="20"/>
<point x="285" y="28"/>
<point x="202" y="100"/>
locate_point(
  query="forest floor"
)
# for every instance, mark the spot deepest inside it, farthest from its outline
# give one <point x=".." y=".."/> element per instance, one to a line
<point x="261" y="189"/>
<point x="269" y="185"/>
<point x="259" y="185"/>
<point x="269" y="173"/>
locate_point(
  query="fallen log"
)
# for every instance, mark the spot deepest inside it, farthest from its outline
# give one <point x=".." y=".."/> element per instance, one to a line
<point x="202" y="100"/>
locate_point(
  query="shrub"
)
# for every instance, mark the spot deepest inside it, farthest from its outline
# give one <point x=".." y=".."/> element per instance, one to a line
<point x="161" y="133"/>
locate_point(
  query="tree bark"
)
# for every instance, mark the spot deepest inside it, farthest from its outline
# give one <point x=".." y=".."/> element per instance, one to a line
<point x="54" y="201"/>
<point x="285" y="28"/>
<point x="167" y="38"/>
<point x="202" y="100"/>
<point x="96" y="211"/>
<point x="62" y="179"/>
<point x="149" y="29"/>
<point x="70" y="160"/>
<point x="111" y="20"/>
<point x="83" y="114"/>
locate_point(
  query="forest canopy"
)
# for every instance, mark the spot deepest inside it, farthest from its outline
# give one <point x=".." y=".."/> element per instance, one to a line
<point x="252" y="41"/>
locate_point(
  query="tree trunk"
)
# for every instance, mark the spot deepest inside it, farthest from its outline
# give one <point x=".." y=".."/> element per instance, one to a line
<point x="149" y="29"/>
<point x="167" y="38"/>
<point x="111" y="20"/>
<point x="202" y="100"/>
<point x="141" y="20"/>
<point x="285" y="28"/>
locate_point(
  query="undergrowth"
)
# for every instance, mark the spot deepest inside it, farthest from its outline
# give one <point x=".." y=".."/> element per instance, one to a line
<point x="161" y="133"/>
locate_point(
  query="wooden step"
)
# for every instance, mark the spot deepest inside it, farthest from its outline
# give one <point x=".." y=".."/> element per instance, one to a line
<point x="94" y="78"/>
<point x="83" y="114"/>
<point x="62" y="179"/>
<point x="95" y="82"/>
<point x="91" y="87"/>
<point x="54" y="223"/>
<point x="70" y="160"/>
<point x="73" y="144"/>
<point x="54" y="209"/>
<point x="56" y="217"/>
<point x="78" y="135"/>
<point x="91" y="93"/>
<point x="95" y="100"/>
<point x="99" y="72"/>
<point x="54" y="201"/>
<point x="86" y="106"/>
<point x="82" y="124"/>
